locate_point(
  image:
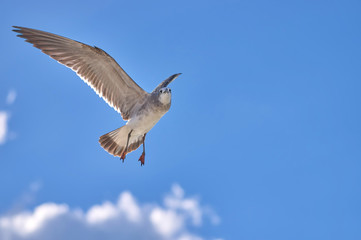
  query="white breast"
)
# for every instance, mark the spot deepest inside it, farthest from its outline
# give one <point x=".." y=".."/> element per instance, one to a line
<point x="142" y="124"/>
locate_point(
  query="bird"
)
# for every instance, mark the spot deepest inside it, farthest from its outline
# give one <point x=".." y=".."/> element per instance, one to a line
<point x="141" y="110"/>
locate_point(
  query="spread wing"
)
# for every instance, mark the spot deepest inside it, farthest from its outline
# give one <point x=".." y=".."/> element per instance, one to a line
<point x="98" y="69"/>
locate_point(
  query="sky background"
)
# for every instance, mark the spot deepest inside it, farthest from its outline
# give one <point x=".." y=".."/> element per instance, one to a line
<point x="262" y="140"/>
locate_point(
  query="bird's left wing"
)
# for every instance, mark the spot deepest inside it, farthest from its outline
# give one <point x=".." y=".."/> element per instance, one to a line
<point x="97" y="68"/>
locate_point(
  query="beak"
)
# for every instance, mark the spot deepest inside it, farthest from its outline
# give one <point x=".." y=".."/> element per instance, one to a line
<point x="166" y="82"/>
<point x="176" y="75"/>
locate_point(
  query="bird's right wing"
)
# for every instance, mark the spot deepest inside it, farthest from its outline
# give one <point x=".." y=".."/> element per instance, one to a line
<point x="93" y="65"/>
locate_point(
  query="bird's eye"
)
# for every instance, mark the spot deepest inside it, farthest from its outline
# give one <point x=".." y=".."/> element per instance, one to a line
<point x="170" y="90"/>
<point x="161" y="91"/>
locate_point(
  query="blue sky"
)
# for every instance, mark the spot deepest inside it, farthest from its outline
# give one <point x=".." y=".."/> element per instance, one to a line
<point x="262" y="140"/>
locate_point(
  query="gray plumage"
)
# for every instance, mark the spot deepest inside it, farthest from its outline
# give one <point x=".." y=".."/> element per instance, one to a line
<point x="101" y="72"/>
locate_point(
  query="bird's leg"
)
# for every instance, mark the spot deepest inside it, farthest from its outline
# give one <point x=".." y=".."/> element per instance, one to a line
<point x="126" y="147"/>
<point x="141" y="159"/>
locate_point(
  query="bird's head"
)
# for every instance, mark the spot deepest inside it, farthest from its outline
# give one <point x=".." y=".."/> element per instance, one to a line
<point x="165" y="95"/>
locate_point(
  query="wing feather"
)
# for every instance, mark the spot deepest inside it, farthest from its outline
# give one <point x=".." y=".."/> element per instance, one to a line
<point x="93" y="65"/>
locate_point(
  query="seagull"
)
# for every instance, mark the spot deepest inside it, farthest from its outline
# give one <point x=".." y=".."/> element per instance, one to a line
<point x="141" y="110"/>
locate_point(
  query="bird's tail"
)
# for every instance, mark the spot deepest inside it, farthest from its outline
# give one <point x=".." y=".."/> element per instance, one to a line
<point x="115" y="142"/>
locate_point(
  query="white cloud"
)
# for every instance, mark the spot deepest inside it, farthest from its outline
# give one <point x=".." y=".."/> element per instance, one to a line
<point x="128" y="205"/>
<point x="10" y="99"/>
<point x="190" y="206"/>
<point x="124" y="219"/>
<point x="101" y="213"/>
<point x="166" y="222"/>
<point x="4" y="117"/>
<point x="189" y="237"/>
<point x="26" y="223"/>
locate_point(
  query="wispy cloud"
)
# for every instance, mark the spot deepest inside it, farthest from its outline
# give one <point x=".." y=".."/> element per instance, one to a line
<point x="26" y="198"/>
<point x="4" y="117"/>
<point x="123" y="219"/>
<point x="10" y="99"/>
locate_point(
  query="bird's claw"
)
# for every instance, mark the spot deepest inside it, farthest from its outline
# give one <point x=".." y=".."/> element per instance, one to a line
<point x="141" y="159"/>
<point x="123" y="156"/>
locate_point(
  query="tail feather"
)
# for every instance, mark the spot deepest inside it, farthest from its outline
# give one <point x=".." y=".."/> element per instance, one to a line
<point x="115" y="141"/>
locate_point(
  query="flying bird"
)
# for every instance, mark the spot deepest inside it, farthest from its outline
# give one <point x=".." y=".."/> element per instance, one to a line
<point x="141" y="110"/>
